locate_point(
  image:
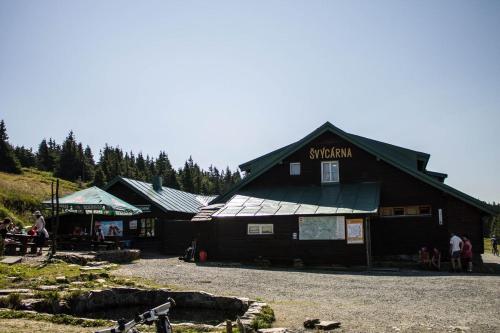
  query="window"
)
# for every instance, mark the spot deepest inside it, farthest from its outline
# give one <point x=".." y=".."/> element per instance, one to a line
<point x="147" y="227"/>
<point x="424" y="210"/>
<point x="406" y="211"/>
<point x="295" y="169"/>
<point x="260" y="229"/>
<point x="330" y="172"/>
<point x="398" y="211"/>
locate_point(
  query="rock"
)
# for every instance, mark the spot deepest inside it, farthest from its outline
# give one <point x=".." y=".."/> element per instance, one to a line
<point x="90" y="269"/>
<point x="48" y="288"/>
<point x="71" y="258"/>
<point x="118" y="256"/>
<point x="273" y="330"/>
<point x="327" y="325"/>
<point x="311" y="323"/>
<point x="100" y="281"/>
<point x="11" y="260"/>
<point x="61" y="279"/>
<point x="13" y="291"/>
<point x="77" y="283"/>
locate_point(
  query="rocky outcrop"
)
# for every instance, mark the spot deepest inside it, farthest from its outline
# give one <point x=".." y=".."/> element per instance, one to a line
<point x="123" y="296"/>
<point x="118" y="256"/>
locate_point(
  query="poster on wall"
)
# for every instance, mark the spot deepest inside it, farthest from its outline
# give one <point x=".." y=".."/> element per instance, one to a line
<point x="321" y="228"/>
<point x="355" y="231"/>
<point x="110" y="228"/>
<point x="132" y="225"/>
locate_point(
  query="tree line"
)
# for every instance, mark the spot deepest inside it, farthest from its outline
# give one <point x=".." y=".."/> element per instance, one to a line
<point x="73" y="161"/>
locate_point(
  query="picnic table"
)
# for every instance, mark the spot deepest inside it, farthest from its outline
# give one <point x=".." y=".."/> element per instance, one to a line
<point x="21" y="241"/>
<point x="85" y="242"/>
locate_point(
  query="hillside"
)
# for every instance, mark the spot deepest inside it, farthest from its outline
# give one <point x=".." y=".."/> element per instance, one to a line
<point x="21" y="194"/>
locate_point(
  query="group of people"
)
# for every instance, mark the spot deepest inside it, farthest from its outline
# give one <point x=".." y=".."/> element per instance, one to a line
<point x="38" y="231"/>
<point x="430" y="259"/>
<point x="460" y="254"/>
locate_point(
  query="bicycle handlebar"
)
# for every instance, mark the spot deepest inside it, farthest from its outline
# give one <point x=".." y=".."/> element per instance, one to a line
<point x="147" y="317"/>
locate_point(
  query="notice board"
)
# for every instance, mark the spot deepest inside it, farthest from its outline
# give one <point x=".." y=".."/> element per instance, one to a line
<point x="321" y="227"/>
<point x="355" y="231"/>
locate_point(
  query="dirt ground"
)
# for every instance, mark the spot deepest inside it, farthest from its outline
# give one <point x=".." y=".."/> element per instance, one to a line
<point x="390" y="301"/>
<point x="30" y="326"/>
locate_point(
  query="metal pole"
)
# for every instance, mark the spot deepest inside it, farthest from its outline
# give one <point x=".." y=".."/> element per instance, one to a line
<point x="91" y="228"/>
<point x="52" y="222"/>
<point x="54" y="241"/>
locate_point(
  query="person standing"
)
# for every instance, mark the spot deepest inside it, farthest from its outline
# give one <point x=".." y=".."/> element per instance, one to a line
<point x="467" y="254"/>
<point x="41" y="232"/>
<point x="455" y="249"/>
<point x="494" y="245"/>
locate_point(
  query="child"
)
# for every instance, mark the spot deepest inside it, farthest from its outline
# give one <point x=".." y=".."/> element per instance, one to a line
<point x="436" y="259"/>
<point x="425" y="261"/>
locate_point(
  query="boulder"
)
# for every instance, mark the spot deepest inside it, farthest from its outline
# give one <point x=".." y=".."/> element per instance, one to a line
<point x="118" y="256"/>
<point x="273" y="330"/>
<point x="327" y="325"/>
<point x="71" y="258"/>
<point x="311" y="323"/>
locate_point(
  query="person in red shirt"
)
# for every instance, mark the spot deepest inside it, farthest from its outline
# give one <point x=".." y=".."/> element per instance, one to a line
<point x="467" y="254"/>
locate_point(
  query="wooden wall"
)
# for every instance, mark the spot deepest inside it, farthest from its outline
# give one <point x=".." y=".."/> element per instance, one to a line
<point x="174" y="231"/>
<point x="231" y="242"/>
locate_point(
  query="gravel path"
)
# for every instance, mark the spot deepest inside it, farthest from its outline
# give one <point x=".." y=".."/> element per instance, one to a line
<point x="364" y="302"/>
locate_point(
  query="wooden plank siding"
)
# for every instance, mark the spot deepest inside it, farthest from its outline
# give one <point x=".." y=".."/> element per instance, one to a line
<point x="231" y="242"/>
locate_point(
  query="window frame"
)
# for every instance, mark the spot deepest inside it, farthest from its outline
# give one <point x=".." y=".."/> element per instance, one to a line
<point x="147" y="228"/>
<point x="260" y="225"/>
<point x="323" y="163"/>
<point x="294" y="164"/>
<point x="388" y="212"/>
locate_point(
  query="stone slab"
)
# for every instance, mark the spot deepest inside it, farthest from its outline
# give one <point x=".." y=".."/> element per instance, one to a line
<point x="11" y="260"/>
<point x="327" y="325"/>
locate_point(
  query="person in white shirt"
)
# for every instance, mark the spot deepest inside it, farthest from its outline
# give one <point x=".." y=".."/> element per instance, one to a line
<point x="42" y="233"/>
<point x="456" y="244"/>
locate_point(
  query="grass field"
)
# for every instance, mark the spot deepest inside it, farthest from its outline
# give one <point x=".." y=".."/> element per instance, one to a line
<point x="21" y="194"/>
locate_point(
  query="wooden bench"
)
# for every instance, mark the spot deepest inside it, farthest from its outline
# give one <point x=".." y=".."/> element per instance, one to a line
<point x="14" y="248"/>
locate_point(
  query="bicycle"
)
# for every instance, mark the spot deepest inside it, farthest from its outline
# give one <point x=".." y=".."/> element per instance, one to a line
<point x="157" y="315"/>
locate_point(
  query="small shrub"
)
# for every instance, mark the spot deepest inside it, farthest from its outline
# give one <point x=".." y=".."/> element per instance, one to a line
<point x="264" y="319"/>
<point x="14" y="301"/>
<point x="73" y="296"/>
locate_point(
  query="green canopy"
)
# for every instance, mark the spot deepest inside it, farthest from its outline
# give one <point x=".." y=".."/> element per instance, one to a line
<point x="93" y="200"/>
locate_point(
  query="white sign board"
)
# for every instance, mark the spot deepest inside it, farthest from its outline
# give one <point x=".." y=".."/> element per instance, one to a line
<point x="355" y="231"/>
<point x="132" y="224"/>
<point x="321" y="227"/>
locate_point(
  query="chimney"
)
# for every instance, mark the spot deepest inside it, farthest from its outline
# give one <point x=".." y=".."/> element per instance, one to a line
<point x="157" y="183"/>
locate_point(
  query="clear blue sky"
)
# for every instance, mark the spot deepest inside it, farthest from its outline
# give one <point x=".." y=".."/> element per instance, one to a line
<point x="226" y="81"/>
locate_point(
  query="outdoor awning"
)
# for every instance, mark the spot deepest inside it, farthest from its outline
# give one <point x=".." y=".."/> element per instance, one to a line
<point x="339" y="199"/>
<point x="93" y="200"/>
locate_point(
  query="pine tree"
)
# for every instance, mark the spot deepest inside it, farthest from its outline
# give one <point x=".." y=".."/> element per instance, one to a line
<point x="89" y="164"/>
<point x="186" y="179"/>
<point x="8" y="160"/>
<point x="99" y="178"/>
<point x="69" y="166"/>
<point x="25" y="156"/>
<point x="46" y="156"/>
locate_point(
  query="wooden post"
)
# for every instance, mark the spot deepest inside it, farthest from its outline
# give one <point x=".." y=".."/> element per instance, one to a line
<point x="229" y="326"/>
<point x="368" y="243"/>
<point x="52" y="223"/>
<point x="54" y="241"/>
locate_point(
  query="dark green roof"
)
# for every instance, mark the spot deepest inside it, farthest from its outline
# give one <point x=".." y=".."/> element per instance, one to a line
<point x="93" y="200"/>
<point x="167" y="199"/>
<point x="402" y="158"/>
<point x="361" y="198"/>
